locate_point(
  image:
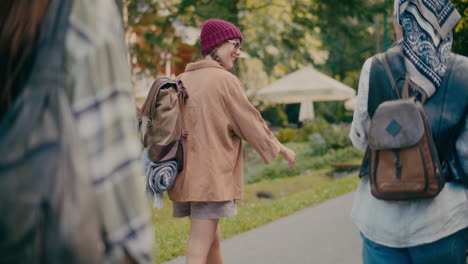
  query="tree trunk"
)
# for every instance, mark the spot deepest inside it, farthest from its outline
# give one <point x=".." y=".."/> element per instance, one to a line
<point x="377" y="34"/>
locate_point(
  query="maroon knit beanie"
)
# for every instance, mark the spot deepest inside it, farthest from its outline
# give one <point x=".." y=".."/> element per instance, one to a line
<point x="216" y="31"/>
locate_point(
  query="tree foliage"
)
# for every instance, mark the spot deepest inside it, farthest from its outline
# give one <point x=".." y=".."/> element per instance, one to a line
<point x="460" y="42"/>
<point x="280" y="36"/>
<point x="152" y="37"/>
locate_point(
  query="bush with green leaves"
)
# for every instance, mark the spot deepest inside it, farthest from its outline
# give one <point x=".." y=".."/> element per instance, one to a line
<point x="255" y="170"/>
<point x="320" y="133"/>
<point x="287" y="134"/>
<point x="275" y="115"/>
<point x="318" y="125"/>
<point x="318" y="145"/>
<point x="336" y="136"/>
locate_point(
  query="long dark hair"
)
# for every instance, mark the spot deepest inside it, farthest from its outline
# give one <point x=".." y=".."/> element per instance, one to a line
<point x="20" y="22"/>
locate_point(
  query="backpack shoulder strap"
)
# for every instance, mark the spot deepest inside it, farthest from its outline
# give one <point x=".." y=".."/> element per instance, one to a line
<point x="183" y="96"/>
<point x="392" y="79"/>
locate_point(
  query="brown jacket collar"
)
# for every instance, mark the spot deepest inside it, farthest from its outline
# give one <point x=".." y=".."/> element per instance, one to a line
<point x="202" y="64"/>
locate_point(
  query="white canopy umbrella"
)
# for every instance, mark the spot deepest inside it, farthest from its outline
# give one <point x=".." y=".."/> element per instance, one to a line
<point x="305" y="86"/>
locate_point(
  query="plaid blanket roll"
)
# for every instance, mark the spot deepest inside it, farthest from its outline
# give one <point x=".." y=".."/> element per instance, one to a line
<point x="159" y="178"/>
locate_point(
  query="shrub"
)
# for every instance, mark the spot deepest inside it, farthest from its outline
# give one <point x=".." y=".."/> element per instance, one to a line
<point x="333" y="112"/>
<point x="336" y="136"/>
<point x="276" y="115"/>
<point x="306" y="160"/>
<point x="310" y="127"/>
<point x="318" y="144"/>
<point x="286" y="134"/>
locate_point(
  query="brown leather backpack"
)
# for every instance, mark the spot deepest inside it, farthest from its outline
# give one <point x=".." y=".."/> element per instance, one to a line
<point x="161" y="121"/>
<point x="404" y="163"/>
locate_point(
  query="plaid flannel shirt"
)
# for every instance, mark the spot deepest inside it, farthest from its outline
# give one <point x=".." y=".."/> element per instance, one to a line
<point x="99" y="85"/>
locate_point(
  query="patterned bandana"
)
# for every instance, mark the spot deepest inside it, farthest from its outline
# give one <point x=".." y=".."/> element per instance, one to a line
<point x="427" y="30"/>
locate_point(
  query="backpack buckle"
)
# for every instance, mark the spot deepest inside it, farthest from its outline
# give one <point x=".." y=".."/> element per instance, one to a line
<point x="184" y="133"/>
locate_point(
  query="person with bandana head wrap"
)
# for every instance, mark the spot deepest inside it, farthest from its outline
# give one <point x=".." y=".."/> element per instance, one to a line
<point x="433" y="230"/>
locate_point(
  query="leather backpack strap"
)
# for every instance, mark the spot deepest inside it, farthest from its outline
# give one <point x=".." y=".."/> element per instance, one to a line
<point x="406" y="89"/>
<point x="183" y="96"/>
<point x="390" y="75"/>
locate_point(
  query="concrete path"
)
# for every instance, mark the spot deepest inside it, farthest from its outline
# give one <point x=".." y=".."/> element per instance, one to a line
<point x="322" y="234"/>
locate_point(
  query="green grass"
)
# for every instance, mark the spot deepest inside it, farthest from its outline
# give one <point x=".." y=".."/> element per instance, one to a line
<point x="292" y="194"/>
<point x="255" y="170"/>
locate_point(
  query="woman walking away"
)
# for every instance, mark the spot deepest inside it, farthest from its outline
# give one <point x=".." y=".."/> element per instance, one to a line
<point x="420" y="64"/>
<point x="218" y="116"/>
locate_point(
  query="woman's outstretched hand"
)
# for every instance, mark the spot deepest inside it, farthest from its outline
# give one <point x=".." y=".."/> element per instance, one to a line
<point x="289" y="155"/>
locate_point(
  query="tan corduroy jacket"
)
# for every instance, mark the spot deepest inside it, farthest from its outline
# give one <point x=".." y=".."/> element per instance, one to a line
<point x="218" y="117"/>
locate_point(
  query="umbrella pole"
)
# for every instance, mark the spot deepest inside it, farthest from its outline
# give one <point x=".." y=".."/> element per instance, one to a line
<point x="306" y="112"/>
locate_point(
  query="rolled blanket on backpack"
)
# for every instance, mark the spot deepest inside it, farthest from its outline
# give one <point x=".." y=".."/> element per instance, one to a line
<point x="159" y="178"/>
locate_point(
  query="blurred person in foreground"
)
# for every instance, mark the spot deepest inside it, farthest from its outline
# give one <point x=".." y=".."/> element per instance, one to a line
<point x="98" y="87"/>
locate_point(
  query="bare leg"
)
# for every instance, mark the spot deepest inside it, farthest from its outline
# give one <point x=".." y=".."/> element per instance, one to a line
<point x="202" y="236"/>
<point x="214" y="255"/>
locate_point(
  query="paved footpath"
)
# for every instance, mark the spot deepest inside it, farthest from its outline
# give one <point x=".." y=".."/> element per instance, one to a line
<point x="321" y="234"/>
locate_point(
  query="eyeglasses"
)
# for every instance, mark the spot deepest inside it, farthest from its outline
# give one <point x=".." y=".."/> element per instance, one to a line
<point x="237" y="44"/>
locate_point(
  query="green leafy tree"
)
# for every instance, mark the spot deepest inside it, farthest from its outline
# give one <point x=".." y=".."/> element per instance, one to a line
<point x="151" y="35"/>
<point x="153" y="40"/>
<point x="346" y="30"/>
<point x="460" y="42"/>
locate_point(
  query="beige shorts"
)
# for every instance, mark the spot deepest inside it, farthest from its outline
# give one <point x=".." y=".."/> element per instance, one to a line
<point x="204" y="210"/>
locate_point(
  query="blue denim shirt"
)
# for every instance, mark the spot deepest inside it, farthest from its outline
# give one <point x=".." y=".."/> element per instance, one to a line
<point x="404" y="223"/>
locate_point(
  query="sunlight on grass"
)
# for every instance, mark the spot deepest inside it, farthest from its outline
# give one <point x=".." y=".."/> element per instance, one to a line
<point x="253" y="214"/>
<point x="291" y="195"/>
